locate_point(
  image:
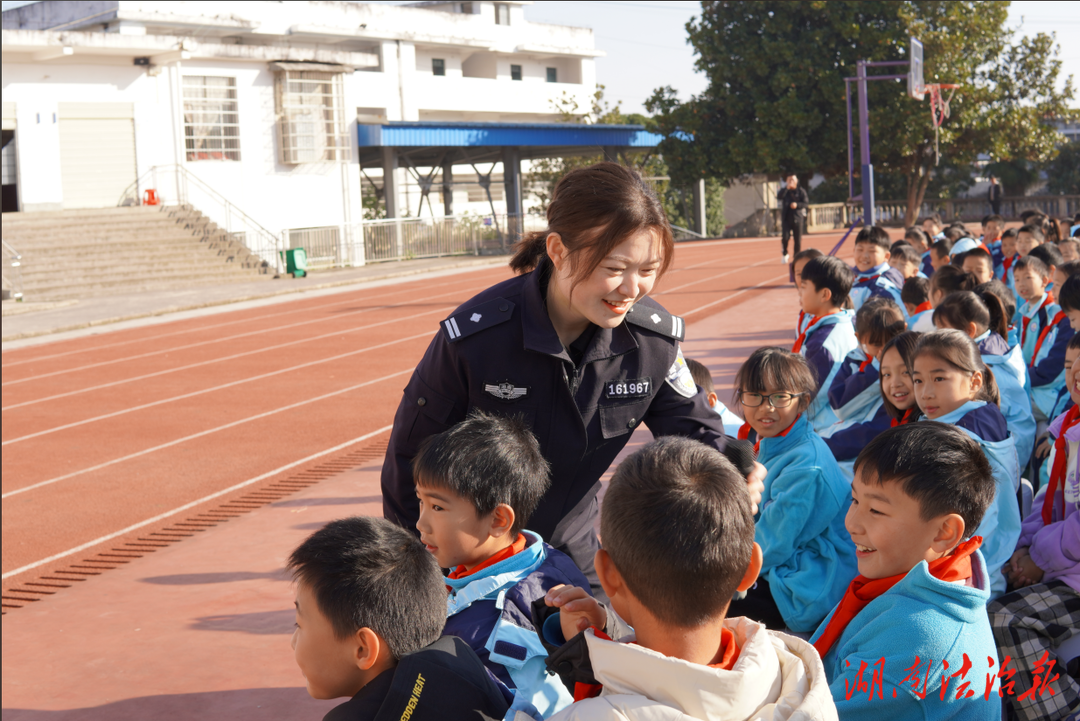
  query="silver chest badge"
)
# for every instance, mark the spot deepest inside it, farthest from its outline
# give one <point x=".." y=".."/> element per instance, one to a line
<point x="506" y="391"/>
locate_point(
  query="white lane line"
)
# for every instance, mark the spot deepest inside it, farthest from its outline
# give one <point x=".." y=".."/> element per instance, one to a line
<point x="223" y="359"/>
<point x="186" y="506"/>
<point x="735" y="295"/>
<point x="712" y="277"/>
<point x="215" y="388"/>
<point x="200" y="434"/>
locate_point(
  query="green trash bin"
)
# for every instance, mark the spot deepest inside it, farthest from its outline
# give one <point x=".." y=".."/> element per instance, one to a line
<point x="295" y="262"/>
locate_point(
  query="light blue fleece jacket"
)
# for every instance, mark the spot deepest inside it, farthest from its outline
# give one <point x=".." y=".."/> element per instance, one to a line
<point x="809" y="555"/>
<point x="919" y="619"/>
<point x="1010" y="374"/>
<point x="828" y="341"/>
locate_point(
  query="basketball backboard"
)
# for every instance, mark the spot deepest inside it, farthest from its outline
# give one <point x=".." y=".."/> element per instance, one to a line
<point x="915" y="86"/>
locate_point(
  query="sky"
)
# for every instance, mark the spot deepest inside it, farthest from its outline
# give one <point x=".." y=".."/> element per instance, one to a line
<point x="646" y="43"/>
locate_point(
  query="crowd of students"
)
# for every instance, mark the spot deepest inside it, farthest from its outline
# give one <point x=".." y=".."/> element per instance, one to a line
<point x="886" y="572"/>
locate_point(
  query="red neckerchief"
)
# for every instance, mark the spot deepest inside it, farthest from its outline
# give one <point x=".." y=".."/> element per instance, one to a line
<point x="516" y="547"/>
<point x="744" y="433"/>
<point x="906" y="418"/>
<point x="1061" y="458"/>
<point x="802" y="336"/>
<point x="862" y="366"/>
<point x="867" y="278"/>
<point x="923" y="306"/>
<point x="1045" y="332"/>
<point x="954" y="567"/>
<point x="1007" y="263"/>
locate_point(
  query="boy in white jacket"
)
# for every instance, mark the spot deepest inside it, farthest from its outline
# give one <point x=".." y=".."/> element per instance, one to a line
<point x="678" y="538"/>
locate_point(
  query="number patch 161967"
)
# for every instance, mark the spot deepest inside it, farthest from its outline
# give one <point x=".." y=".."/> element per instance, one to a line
<point x="630" y="388"/>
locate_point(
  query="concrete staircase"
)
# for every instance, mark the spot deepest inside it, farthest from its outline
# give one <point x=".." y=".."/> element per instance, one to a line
<point x="106" y="251"/>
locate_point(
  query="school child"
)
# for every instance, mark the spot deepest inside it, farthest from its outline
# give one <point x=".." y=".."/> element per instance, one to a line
<point x="1049" y="254"/>
<point x="853" y="392"/>
<point x="808" y="557"/>
<point x="370" y="608"/>
<point x="1062" y="273"/>
<point x="953" y="385"/>
<point x="920" y="490"/>
<point x="982" y="317"/>
<point x="703" y="380"/>
<point x="948" y="279"/>
<point x="1070" y="249"/>
<point x="1044" y="609"/>
<point x="961" y="246"/>
<point x="979" y="263"/>
<point x="894" y="405"/>
<point x="799" y="262"/>
<point x="905" y="259"/>
<point x="1045" y="442"/>
<point x="1008" y="302"/>
<point x="1008" y="256"/>
<point x="829" y="335"/>
<point x="476" y="495"/>
<point x="1044" y="334"/>
<point x="920" y="241"/>
<point x="678" y="542"/>
<point x="931" y="225"/>
<point x="916" y="297"/>
<point x="939" y="254"/>
<point x="873" y="275"/>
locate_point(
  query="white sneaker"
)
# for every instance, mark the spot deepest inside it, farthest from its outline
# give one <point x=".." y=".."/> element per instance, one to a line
<point x="787" y="259"/>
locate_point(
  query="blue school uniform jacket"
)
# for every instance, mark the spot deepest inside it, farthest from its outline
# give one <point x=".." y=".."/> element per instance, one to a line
<point x="923" y="316"/>
<point x="919" y="619"/>
<point x="882" y="280"/>
<point x="996" y="255"/>
<point x="846" y="439"/>
<point x="1010" y="374"/>
<point x="828" y="341"/>
<point x="854" y="389"/>
<point x="1000" y="525"/>
<point x="927" y="265"/>
<point x="491" y="610"/>
<point x="809" y="556"/>
<point x="1046" y="359"/>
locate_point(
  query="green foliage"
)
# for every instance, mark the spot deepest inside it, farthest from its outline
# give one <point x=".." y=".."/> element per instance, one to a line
<point x="1063" y="172"/>
<point x="776" y="97"/>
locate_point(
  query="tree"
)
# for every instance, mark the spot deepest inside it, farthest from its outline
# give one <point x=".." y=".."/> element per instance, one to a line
<point x="1063" y="172"/>
<point x="775" y="101"/>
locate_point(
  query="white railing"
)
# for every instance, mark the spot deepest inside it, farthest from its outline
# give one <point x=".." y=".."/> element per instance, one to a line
<point x="411" y="238"/>
<point x="12" y="280"/>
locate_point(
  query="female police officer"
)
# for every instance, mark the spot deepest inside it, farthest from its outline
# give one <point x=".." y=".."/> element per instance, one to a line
<point x="573" y="345"/>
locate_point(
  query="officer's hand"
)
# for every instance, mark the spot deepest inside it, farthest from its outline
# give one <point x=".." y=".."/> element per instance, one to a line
<point x="577" y="609"/>
<point x="755" y="483"/>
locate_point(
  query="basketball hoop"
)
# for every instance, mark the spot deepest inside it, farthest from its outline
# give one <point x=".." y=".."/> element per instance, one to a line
<point x="939" y="109"/>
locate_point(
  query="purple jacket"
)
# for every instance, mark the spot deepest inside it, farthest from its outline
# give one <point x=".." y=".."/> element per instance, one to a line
<point x="1055" y="548"/>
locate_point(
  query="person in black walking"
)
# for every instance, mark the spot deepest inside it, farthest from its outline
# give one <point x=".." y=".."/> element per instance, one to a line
<point x="793" y="202"/>
<point x="994" y="196"/>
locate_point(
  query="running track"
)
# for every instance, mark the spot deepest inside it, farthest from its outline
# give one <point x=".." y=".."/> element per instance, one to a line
<point x="109" y="433"/>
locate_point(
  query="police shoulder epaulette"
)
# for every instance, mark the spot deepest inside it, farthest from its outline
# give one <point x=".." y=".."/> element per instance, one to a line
<point x="657" y="320"/>
<point x="477" y="318"/>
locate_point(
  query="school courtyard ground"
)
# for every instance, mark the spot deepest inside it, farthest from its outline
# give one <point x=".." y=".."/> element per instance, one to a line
<point x="164" y="453"/>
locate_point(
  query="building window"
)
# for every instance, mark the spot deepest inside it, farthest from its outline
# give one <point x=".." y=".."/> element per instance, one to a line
<point x="438" y="66"/>
<point x="553" y="75"/>
<point x="515" y="72"/>
<point x="311" y="116"/>
<point x="502" y="14"/>
<point x="211" y="121"/>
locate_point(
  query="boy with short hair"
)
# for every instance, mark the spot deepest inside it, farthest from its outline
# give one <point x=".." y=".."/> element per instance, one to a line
<point x="873" y="275"/>
<point x="1008" y="254"/>
<point x="931" y="225"/>
<point x="1051" y="258"/>
<point x="916" y="297"/>
<point x="830" y="335"/>
<point x="906" y="259"/>
<point x="1044" y="334"/>
<point x="703" y="379"/>
<point x="797" y="264"/>
<point x="920" y="491"/>
<point x="478" y="482"/>
<point x="370" y="607"/>
<point x="939" y="253"/>
<point x="979" y="263"/>
<point x="1070" y="249"/>
<point x="678" y="543"/>
<point x="992" y="227"/>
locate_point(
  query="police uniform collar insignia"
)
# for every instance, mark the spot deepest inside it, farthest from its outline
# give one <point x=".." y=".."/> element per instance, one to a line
<point x="506" y="391"/>
<point x="656" y="319"/>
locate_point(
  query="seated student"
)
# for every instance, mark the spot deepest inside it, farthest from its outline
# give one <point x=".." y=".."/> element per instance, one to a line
<point x="1027" y="238"/>
<point x="1070" y="250"/>
<point x="1008" y="255"/>
<point x="906" y="260"/>
<point x="1044" y="609"/>
<point x="939" y="254"/>
<point x="797" y="264"/>
<point x="1008" y="302"/>
<point x="920" y="241"/>
<point x="703" y="380"/>
<point x="1045" y="442"/>
<point x="979" y="263"/>
<point x="873" y="276"/>
<point x="1051" y="258"/>
<point x="931" y="225"/>
<point x="948" y="279"/>
<point x="961" y="246"/>
<point x="476" y="495"/>
<point x="919" y="492"/>
<point x="370" y="607"/>
<point x="853" y="392"/>
<point x="953" y="385"/>
<point x="982" y="317"/>
<point x="808" y="558"/>
<point x="916" y="297"/>
<point x="830" y="334"/>
<point x="1044" y="334"/>
<point x="678" y="542"/>
<point x="1062" y="273"/>
<point x="895" y="405"/>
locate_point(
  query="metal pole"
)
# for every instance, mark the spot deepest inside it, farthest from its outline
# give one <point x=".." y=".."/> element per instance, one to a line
<point x="850" y="151"/>
<point x="864" y="148"/>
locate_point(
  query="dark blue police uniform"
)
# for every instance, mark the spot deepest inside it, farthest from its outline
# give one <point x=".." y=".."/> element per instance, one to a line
<point x="500" y="353"/>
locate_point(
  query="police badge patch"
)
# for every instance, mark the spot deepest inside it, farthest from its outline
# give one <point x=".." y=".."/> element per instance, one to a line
<point x="506" y="391"/>
<point x="679" y="377"/>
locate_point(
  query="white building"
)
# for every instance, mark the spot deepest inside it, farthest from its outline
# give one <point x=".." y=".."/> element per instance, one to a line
<point x="260" y="101"/>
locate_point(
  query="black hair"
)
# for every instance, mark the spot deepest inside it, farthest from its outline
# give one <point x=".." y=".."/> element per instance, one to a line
<point x="808" y="254"/>
<point x="1070" y="268"/>
<point x="993" y="218"/>
<point x="907" y="254"/>
<point x="904" y="344"/>
<point x="898" y="244"/>
<point x="701" y="375"/>
<point x="934" y="217"/>
<point x="1034" y="262"/>
<point x="985" y="310"/>
<point x="772" y="367"/>
<point x="487" y="459"/>
<point x="1009" y="233"/>
<point x="916" y="291"/>
<point x="874" y="234"/>
<point x="950" y="278"/>
<point x="1049" y="254"/>
<point x="957" y="349"/>
<point x="879" y="320"/>
<point x="977" y="252"/>
<point x="1026" y="214"/>
<point x="1068" y="295"/>
<point x="1003" y="294"/>
<point x="954" y="233"/>
<point x="918" y="235"/>
<point x="677" y="524"/>
<point x="1034" y="231"/>
<point x="828" y="271"/>
<point x="937" y="464"/>
<point x="369" y="573"/>
<point x="1072" y="242"/>
<point x="1074" y="342"/>
<point x="942" y="247"/>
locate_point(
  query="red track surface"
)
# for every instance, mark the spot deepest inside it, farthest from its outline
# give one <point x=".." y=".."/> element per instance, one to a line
<point x="108" y="431"/>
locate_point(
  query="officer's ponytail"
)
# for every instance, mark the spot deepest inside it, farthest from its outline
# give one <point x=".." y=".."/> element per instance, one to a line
<point x="593" y="210"/>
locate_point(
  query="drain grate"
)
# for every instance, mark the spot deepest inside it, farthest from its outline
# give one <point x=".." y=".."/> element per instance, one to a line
<point x="142" y="542"/>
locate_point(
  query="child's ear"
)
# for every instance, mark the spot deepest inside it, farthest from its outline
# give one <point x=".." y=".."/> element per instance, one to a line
<point x="753" y="570"/>
<point x="950" y="533"/>
<point x="502" y="520"/>
<point x="712" y="399"/>
<point x="368" y="648"/>
<point x="972" y="330"/>
<point x="826" y="295"/>
<point x="610" y="578"/>
<point x="976" y="382"/>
